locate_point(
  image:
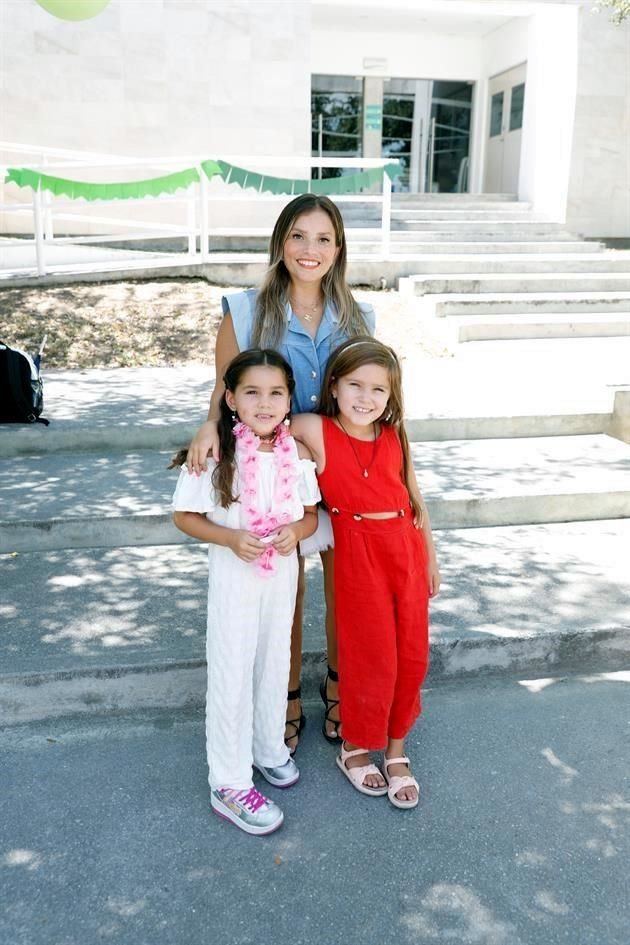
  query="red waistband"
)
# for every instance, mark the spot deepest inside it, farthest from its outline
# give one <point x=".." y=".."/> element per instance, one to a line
<point x="399" y="513"/>
<point x="345" y="519"/>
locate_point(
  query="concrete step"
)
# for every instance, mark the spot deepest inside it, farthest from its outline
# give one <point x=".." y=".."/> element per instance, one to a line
<point x="365" y="268"/>
<point x="245" y="269"/>
<point x="466" y="228"/>
<point x="528" y="303"/>
<point x="402" y="241"/>
<point x="231" y="269"/>
<point x="484" y="389"/>
<point x="572" y="378"/>
<point x="435" y="202"/>
<point x="92" y="500"/>
<point x="524" y="480"/>
<point x="475" y="265"/>
<point x="474" y="228"/>
<point x="516" y="282"/>
<point x="455" y="206"/>
<point x="508" y="426"/>
<point x="69" y="486"/>
<point x="474" y="200"/>
<point x="83" y="631"/>
<point x="567" y="243"/>
<point x="423" y="251"/>
<point x="447" y="213"/>
<point x="471" y="328"/>
<point x="506" y="214"/>
<point x="550" y="413"/>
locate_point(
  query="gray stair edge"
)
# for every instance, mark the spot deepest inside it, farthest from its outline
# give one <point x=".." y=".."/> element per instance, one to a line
<point x="120" y="531"/>
<point x="244" y="272"/>
<point x="596" y="307"/>
<point x="73" y="437"/>
<point x="70" y="437"/>
<point x="28" y="697"/>
<point x="543" y="328"/>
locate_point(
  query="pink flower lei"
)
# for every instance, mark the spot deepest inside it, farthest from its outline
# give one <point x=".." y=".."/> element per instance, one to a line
<point x="286" y="471"/>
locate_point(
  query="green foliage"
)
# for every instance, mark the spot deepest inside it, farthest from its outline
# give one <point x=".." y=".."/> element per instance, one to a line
<point x="620" y="9"/>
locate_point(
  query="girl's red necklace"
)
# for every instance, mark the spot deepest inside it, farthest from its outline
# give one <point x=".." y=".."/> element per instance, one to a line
<point x="364" y="469"/>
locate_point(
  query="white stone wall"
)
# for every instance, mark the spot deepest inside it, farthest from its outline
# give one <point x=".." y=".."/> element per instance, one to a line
<point x="230" y="78"/>
<point x="599" y="185"/>
<point x="150" y="79"/>
<point x="159" y="77"/>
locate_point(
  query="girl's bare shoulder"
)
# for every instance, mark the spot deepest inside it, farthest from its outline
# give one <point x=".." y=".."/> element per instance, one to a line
<point x="304" y="426"/>
<point x="307" y="429"/>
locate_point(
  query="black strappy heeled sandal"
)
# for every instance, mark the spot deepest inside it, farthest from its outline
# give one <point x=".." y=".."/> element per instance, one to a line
<point x="298" y="724"/>
<point x="329" y="705"/>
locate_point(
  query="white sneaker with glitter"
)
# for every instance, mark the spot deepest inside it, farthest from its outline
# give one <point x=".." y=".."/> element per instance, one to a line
<point x="248" y="809"/>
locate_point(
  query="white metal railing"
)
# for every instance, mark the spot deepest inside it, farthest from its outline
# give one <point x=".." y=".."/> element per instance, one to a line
<point x="47" y="211"/>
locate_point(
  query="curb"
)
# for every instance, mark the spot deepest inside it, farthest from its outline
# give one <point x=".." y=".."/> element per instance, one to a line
<point x="118" y="531"/>
<point x="67" y="437"/>
<point x="28" y="697"/>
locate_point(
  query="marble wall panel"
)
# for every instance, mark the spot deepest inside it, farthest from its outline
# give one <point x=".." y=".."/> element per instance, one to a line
<point x="599" y="186"/>
<point x="198" y="66"/>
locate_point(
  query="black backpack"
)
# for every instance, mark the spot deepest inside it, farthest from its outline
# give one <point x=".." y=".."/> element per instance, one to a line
<point x="21" y="387"/>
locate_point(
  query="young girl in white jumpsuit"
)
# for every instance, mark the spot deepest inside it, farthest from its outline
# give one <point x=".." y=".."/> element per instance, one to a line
<point x="252" y="507"/>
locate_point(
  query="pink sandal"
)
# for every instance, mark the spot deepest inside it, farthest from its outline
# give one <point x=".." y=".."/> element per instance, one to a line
<point x="397" y="783"/>
<point x="356" y="776"/>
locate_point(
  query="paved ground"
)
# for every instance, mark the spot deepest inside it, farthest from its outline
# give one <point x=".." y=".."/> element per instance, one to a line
<point x="522" y="837"/>
<point x="161" y="407"/>
<point x="482" y="379"/>
<point x="503" y="588"/>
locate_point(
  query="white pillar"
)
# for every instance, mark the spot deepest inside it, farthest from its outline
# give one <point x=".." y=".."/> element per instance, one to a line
<point x="38" y="231"/>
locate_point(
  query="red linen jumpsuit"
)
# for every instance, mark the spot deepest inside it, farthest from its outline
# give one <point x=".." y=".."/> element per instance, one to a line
<point x="381" y="587"/>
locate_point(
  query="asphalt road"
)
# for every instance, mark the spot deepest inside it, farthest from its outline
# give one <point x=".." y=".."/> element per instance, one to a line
<point x="522" y="836"/>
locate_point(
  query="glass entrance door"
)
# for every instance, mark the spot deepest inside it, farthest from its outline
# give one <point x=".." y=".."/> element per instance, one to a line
<point x="336" y="119"/>
<point x="424" y="124"/>
<point x="449" y="137"/>
<point x="398" y="118"/>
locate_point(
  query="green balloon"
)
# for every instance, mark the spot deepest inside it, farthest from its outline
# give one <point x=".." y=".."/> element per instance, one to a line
<point x="73" y="9"/>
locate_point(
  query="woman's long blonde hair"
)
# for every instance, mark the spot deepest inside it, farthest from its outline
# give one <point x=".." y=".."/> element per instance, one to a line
<point x="270" y="320"/>
<point x="349" y="357"/>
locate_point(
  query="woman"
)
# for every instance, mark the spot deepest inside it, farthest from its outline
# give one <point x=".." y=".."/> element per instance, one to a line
<point x="304" y="309"/>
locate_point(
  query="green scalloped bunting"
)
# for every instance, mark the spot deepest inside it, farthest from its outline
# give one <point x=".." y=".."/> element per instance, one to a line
<point x="212" y="168"/>
<point x="169" y="183"/>
<point x="123" y="190"/>
<point x="266" y="183"/>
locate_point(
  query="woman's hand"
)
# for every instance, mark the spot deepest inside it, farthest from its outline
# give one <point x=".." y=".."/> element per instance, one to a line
<point x="205" y="441"/>
<point x="286" y="540"/>
<point x="245" y="545"/>
<point x="435" y="580"/>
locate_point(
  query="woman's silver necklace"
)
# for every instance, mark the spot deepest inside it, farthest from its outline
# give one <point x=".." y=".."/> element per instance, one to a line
<point x="364" y="469"/>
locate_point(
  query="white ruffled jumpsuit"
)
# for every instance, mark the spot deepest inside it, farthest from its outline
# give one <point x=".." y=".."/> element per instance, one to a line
<point x="248" y="634"/>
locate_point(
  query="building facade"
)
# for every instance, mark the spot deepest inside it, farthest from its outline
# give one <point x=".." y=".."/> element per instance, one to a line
<point x="531" y="98"/>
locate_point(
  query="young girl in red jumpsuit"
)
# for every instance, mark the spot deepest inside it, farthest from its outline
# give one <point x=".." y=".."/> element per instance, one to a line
<point x="385" y="563"/>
